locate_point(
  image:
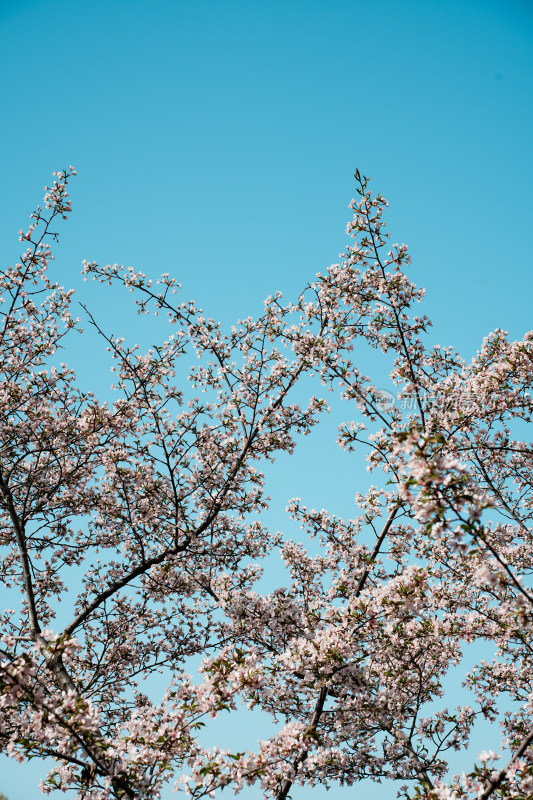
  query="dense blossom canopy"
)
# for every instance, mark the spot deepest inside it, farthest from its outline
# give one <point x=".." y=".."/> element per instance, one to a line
<point x="157" y="499"/>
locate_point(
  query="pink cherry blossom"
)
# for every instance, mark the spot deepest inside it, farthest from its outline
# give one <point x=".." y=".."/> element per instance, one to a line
<point x="157" y="500"/>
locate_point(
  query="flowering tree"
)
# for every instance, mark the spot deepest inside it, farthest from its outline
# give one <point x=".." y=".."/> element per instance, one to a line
<point x="156" y="499"/>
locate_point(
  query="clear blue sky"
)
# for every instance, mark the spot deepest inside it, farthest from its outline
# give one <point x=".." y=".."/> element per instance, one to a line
<point x="217" y="141"/>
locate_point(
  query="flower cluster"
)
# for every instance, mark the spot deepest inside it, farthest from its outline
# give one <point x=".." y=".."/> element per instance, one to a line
<point x="157" y="500"/>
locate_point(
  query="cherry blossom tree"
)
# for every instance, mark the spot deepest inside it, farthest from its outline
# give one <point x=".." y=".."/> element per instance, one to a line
<point x="157" y="499"/>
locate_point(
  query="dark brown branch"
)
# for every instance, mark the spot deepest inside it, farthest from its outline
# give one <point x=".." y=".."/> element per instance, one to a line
<point x="20" y="535"/>
<point x="311" y="730"/>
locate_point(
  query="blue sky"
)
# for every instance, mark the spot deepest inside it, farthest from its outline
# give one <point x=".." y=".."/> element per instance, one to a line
<point x="217" y="141"/>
